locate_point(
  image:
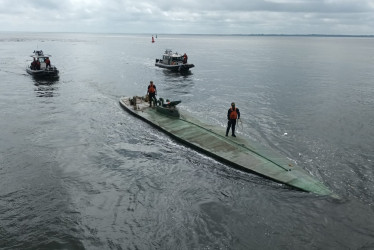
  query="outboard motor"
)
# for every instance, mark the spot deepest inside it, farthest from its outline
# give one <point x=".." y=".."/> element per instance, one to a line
<point x="168" y="108"/>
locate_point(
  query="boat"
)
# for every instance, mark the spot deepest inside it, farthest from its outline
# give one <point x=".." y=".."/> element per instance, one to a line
<point x="174" y="61"/>
<point x="40" y="66"/>
<point x="237" y="152"/>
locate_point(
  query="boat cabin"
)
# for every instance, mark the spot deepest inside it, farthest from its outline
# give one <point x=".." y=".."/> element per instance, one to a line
<point x="171" y="58"/>
<point x="43" y="60"/>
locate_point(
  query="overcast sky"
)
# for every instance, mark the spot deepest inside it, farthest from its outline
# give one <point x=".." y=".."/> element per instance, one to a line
<point x="331" y="17"/>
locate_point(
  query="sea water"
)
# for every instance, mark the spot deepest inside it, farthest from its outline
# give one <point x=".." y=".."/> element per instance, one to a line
<point x="79" y="172"/>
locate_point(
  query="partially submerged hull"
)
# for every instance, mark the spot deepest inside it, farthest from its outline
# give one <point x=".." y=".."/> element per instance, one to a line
<point x="237" y="152"/>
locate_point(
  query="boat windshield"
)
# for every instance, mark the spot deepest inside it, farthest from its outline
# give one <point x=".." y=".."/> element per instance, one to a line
<point x="177" y="58"/>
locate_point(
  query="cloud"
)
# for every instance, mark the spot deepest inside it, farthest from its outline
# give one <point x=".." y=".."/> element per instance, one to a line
<point x="190" y="16"/>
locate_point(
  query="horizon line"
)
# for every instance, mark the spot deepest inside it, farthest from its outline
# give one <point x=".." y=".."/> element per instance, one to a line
<point x="200" y="34"/>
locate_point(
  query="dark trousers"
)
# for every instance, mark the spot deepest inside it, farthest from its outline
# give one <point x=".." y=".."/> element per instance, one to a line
<point x="152" y="97"/>
<point x="231" y="122"/>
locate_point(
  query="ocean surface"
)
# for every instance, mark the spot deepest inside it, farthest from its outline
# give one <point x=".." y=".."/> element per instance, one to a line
<point x="79" y="172"/>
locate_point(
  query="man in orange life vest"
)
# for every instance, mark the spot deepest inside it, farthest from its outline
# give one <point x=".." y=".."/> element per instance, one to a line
<point x="152" y="92"/>
<point x="232" y="115"/>
<point x="47" y="62"/>
<point x="185" y="58"/>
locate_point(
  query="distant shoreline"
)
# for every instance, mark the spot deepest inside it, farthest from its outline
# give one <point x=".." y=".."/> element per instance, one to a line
<point x="168" y="34"/>
<point x="309" y="35"/>
<point x="285" y="35"/>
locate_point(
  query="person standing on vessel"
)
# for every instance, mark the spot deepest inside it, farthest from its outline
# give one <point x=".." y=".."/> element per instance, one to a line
<point x="33" y="64"/>
<point x="47" y="62"/>
<point x="152" y="92"/>
<point x="37" y="64"/>
<point x="232" y="115"/>
<point x="185" y="58"/>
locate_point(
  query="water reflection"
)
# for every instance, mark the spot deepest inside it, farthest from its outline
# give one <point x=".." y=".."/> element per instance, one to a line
<point x="45" y="87"/>
<point x="177" y="83"/>
<point x="179" y="86"/>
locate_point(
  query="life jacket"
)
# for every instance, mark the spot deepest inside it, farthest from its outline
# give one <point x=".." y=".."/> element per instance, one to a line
<point x="151" y="89"/>
<point x="233" y="114"/>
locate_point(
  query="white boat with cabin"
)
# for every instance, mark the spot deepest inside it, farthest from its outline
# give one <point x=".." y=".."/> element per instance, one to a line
<point x="174" y="61"/>
<point x="41" y="65"/>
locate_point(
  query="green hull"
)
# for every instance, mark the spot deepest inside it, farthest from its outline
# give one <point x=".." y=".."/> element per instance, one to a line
<point x="237" y="152"/>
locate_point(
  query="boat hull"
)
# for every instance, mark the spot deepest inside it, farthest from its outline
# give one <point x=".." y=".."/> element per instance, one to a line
<point x="49" y="72"/>
<point x="176" y="68"/>
<point x="237" y="152"/>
